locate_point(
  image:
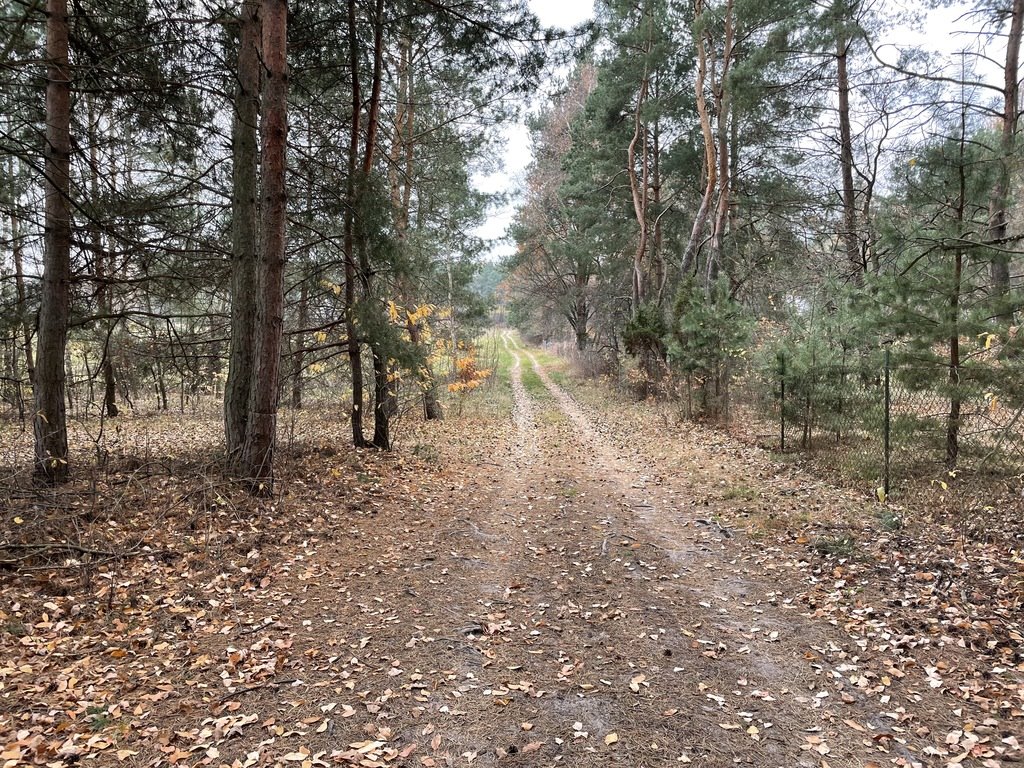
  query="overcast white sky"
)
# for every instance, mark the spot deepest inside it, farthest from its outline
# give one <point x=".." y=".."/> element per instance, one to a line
<point x="517" y="156"/>
<point x="941" y="34"/>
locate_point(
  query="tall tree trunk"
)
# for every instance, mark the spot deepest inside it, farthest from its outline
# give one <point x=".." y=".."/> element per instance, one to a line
<point x="955" y="400"/>
<point x="355" y="350"/>
<point x="639" y="186"/>
<point x="851" y="241"/>
<point x="704" y="58"/>
<point x="384" y="403"/>
<point x="723" y="101"/>
<point x="1000" y="201"/>
<point x="657" y="251"/>
<point x="401" y="169"/>
<point x="244" y="216"/>
<point x="109" y="382"/>
<point x="581" y="312"/>
<point x="50" y="422"/>
<point x="261" y="427"/>
<point x="953" y="418"/>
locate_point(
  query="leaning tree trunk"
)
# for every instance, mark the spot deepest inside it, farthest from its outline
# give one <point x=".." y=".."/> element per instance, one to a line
<point x="261" y="426"/>
<point x="50" y="423"/>
<point x="704" y="57"/>
<point x="244" y="214"/>
<point x="639" y="186"/>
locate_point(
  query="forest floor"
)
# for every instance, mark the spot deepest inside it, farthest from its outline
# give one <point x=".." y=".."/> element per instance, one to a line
<point x="551" y="578"/>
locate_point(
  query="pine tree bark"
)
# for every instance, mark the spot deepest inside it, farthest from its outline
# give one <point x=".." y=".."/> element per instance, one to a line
<point x="723" y="107"/>
<point x="1000" y="200"/>
<point x="704" y="59"/>
<point x="261" y="428"/>
<point x="639" y="185"/>
<point x="50" y="422"/>
<point x="581" y="312"/>
<point x="401" y="171"/>
<point x="244" y="215"/>
<point x="384" y="403"/>
<point x="355" y="347"/>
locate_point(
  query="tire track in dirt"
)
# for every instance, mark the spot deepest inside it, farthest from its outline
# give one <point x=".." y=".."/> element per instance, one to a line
<point x="582" y="630"/>
<point x="752" y="639"/>
<point x="523" y="412"/>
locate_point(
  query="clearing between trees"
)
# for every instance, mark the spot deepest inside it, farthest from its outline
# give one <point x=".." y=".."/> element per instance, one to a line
<point x="554" y="578"/>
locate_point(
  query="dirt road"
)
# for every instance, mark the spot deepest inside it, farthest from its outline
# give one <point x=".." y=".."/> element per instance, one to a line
<point x="537" y="591"/>
<point x="558" y="602"/>
<point x="634" y="628"/>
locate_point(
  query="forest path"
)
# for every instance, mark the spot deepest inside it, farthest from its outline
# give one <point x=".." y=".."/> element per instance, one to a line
<point x="540" y="582"/>
<point x="558" y="598"/>
<point x="665" y="637"/>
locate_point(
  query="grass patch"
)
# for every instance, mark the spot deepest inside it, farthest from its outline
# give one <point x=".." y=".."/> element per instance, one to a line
<point x="551" y="416"/>
<point x="740" y="492"/>
<point x="534" y="386"/>
<point x="493" y="399"/>
<point x="556" y="368"/>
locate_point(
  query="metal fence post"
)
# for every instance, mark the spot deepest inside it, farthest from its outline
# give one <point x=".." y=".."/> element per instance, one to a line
<point x="782" y="398"/>
<point x="888" y="427"/>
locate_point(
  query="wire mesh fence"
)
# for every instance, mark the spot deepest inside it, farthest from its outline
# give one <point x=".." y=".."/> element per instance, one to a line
<point x="893" y="423"/>
<point x="889" y="421"/>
